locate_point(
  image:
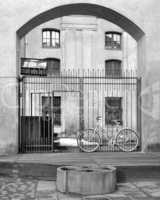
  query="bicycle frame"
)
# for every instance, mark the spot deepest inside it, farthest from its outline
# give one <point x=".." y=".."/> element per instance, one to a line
<point x="118" y="137"/>
<point x="117" y="127"/>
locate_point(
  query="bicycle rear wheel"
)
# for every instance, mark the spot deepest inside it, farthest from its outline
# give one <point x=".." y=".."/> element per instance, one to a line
<point x="127" y="140"/>
<point x="88" y="140"/>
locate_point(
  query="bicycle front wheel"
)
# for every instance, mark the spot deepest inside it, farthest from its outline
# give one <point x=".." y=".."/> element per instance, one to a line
<point x="127" y="140"/>
<point x="88" y="140"/>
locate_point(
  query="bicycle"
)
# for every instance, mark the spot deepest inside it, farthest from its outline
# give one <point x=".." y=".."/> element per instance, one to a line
<point x="89" y="140"/>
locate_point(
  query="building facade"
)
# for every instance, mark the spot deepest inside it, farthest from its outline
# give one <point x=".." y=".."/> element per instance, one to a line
<point x="135" y="19"/>
<point x="84" y="46"/>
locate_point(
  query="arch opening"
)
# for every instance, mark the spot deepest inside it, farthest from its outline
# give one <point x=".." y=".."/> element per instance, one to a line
<point x="83" y="9"/>
<point x="89" y="10"/>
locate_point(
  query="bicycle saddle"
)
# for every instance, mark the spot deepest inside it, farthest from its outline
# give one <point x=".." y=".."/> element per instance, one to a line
<point x="117" y="122"/>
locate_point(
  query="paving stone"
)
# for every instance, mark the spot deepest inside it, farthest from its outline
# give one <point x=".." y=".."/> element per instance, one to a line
<point x="116" y="195"/>
<point x="150" y="184"/>
<point x="151" y="190"/>
<point x="63" y="196"/>
<point x="126" y="187"/>
<point x="136" y="194"/>
<point x="96" y="198"/>
<point x="47" y="198"/>
<point x="46" y="186"/>
<point x="155" y="193"/>
<point x="121" y="198"/>
<point x="24" y="189"/>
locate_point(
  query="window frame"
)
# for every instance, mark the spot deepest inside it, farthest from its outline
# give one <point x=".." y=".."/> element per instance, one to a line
<point x="113" y="47"/>
<point x="120" y="110"/>
<point x="57" y="110"/>
<point x="56" y="60"/>
<point x="113" y="75"/>
<point x="50" y="38"/>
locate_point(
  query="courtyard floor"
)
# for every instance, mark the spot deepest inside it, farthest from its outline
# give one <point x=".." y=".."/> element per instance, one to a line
<point x="15" y="188"/>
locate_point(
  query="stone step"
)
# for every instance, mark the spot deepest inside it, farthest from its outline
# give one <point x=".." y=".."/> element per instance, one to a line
<point x="48" y="171"/>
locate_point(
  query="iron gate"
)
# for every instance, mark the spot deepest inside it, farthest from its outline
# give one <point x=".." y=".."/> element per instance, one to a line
<point x="53" y="109"/>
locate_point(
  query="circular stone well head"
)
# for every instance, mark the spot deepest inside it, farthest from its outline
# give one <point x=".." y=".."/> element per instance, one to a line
<point x="86" y="180"/>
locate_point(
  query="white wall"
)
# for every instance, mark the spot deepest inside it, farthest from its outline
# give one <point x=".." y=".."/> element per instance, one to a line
<point x="82" y="43"/>
<point x="83" y="47"/>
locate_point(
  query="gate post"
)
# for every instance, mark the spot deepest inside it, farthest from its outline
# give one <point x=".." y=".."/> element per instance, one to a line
<point x="81" y="103"/>
<point x="19" y="114"/>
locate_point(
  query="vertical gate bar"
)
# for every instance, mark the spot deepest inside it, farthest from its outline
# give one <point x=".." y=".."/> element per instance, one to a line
<point x="44" y="119"/>
<point x="94" y="98"/>
<point x="48" y="107"/>
<point x="34" y="114"/>
<point x="43" y="84"/>
<point x="130" y="100"/>
<point x="37" y="113"/>
<point x="81" y="102"/>
<point x="91" y="79"/>
<point x="19" y="115"/>
<point x="103" y="108"/>
<point x="88" y="92"/>
<point x="121" y="99"/>
<point x="112" y="95"/>
<point x="23" y="114"/>
<point x="24" y="117"/>
<point x="33" y="118"/>
<point x="116" y="83"/>
<point x="52" y="113"/>
<point x="131" y="97"/>
<point x="126" y="91"/>
<point x="30" y="115"/>
<point x="39" y="119"/>
<point x="47" y="117"/>
<point x="106" y="94"/>
<point x="27" y="146"/>
<point x="139" y="119"/>
<point x="101" y="105"/>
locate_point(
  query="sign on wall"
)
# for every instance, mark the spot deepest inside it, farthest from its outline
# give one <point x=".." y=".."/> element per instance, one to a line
<point x="31" y="66"/>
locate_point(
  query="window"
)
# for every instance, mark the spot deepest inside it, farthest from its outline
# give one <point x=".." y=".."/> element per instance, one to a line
<point x="113" y="40"/>
<point x="51" y="38"/>
<point x="113" y="109"/>
<point x="113" y="68"/>
<point x="46" y="108"/>
<point x="53" y="66"/>
<point x="57" y="110"/>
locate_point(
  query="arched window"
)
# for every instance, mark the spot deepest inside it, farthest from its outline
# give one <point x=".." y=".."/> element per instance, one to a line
<point x="53" y="66"/>
<point x="113" y="68"/>
<point x="50" y="38"/>
<point x="112" y="40"/>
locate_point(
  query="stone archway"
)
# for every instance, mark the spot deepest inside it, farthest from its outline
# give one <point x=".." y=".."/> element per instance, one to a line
<point x="83" y="9"/>
<point x="94" y="10"/>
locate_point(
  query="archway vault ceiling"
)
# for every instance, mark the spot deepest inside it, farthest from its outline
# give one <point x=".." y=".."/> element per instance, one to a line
<point x="83" y="9"/>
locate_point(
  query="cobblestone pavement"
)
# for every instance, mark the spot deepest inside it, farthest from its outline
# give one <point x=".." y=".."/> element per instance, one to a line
<point x="14" y="188"/>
